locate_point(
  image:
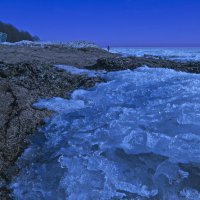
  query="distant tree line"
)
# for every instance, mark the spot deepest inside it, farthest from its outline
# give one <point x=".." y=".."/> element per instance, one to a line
<point x="15" y="35"/>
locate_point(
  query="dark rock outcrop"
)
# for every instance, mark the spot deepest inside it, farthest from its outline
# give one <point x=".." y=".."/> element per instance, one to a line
<point x="20" y="86"/>
<point x="114" y="64"/>
<point x="122" y="63"/>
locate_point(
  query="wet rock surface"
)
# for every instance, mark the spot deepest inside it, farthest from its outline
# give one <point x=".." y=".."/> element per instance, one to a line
<point x="20" y="86"/>
<point x="122" y="63"/>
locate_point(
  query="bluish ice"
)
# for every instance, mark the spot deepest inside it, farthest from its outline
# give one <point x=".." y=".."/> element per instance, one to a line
<point x="134" y="137"/>
<point x="177" y="54"/>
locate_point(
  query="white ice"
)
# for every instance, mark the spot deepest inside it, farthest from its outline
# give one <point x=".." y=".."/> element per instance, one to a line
<point x="75" y="70"/>
<point x="178" y="54"/>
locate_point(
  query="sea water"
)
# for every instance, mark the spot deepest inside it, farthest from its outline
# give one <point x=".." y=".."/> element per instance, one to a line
<point x="134" y="137"/>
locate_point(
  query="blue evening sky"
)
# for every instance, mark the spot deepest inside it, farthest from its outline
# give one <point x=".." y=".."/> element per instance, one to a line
<point x="114" y="22"/>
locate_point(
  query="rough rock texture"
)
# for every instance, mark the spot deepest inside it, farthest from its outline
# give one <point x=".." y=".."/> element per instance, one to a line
<point x="122" y="63"/>
<point x="52" y="55"/>
<point x="20" y="86"/>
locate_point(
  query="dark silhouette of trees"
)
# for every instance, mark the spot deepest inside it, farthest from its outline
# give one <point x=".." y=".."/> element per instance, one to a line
<point x="15" y="35"/>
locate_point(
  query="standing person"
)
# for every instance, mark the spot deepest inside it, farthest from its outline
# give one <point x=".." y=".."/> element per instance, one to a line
<point x="108" y="48"/>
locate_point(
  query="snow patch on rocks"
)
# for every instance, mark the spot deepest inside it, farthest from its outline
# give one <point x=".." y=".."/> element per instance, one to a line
<point x="72" y="44"/>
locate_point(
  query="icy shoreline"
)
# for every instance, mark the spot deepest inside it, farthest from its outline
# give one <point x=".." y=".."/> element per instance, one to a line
<point x="131" y="137"/>
<point x="171" y="53"/>
<point x="20" y="86"/>
<point x="29" y="60"/>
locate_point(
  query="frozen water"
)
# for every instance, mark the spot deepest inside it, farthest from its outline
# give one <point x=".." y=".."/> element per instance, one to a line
<point x="133" y="137"/>
<point x="75" y="70"/>
<point x="178" y="54"/>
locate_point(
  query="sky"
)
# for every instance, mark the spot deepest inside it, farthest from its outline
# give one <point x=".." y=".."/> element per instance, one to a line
<point x="115" y="22"/>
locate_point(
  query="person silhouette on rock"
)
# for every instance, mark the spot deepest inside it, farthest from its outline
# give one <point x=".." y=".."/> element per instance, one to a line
<point x="108" y="48"/>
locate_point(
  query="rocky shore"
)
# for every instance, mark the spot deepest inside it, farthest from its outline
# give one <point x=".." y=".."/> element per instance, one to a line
<point x="20" y="86"/>
<point x="131" y="62"/>
<point x="52" y="54"/>
<point x="27" y="74"/>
